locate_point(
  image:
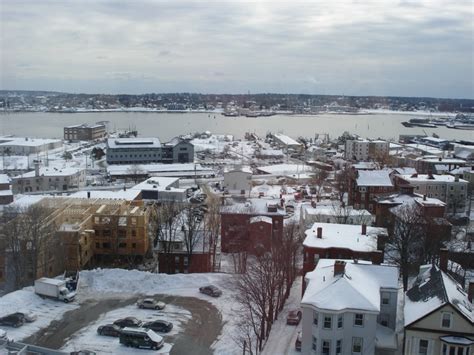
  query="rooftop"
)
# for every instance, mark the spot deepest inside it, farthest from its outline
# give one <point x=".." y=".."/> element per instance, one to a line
<point x="374" y="178"/>
<point x="430" y="178"/>
<point x="133" y="143"/>
<point x="44" y="171"/>
<point x="432" y="289"/>
<point x="358" y="287"/>
<point x="285" y="139"/>
<point x="344" y="236"/>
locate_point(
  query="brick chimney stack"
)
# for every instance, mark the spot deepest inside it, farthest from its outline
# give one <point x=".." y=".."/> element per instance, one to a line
<point x="320" y="233"/>
<point x="443" y="259"/>
<point x="364" y="229"/>
<point x="339" y="267"/>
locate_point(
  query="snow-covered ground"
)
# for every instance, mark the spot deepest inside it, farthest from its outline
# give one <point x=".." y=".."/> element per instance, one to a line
<point x="88" y="337"/>
<point x="95" y="284"/>
<point x="282" y="336"/>
<point x="26" y="301"/>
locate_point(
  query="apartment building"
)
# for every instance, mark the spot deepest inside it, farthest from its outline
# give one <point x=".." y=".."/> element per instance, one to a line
<point x="365" y="186"/>
<point x="85" y="132"/>
<point x="363" y="149"/>
<point x="450" y="189"/>
<point x="349" y="308"/>
<point x="6" y="194"/>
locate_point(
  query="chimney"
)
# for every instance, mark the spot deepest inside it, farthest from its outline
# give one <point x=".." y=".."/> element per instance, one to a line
<point x="364" y="229"/>
<point x="88" y="194"/>
<point x="37" y="167"/>
<point x="470" y="290"/>
<point x="443" y="259"/>
<point x="440" y="159"/>
<point x="339" y="267"/>
<point x="456" y="178"/>
<point x="320" y="233"/>
<point x="282" y="202"/>
<point x="313" y="204"/>
<point x="424" y="197"/>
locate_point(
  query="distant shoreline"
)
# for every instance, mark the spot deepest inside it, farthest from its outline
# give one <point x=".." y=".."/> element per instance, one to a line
<point x="219" y="112"/>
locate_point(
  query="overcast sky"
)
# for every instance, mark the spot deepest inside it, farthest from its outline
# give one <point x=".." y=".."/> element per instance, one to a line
<point x="379" y="47"/>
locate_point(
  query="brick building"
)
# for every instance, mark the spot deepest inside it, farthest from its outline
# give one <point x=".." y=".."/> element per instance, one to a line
<point x="85" y="132"/>
<point x="342" y="241"/>
<point x="367" y="185"/>
<point x="250" y="227"/>
<point x="6" y="194"/>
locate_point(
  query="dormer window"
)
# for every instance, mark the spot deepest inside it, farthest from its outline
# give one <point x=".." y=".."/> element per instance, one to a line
<point x="446" y="320"/>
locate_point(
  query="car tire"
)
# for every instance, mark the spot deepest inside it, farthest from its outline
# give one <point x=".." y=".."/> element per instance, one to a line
<point x="140" y="306"/>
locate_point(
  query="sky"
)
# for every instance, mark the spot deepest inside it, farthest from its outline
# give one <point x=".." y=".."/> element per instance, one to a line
<point x="367" y="47"/>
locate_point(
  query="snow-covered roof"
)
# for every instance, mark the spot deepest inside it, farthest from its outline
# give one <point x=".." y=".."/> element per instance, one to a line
<point x="405" y="171"/>
<point x="129" y="194"/>
<point x="253" y="206"/>
<point x="374" y="178"/>
<point x="52" y="172"/>
<point x="344" y="236"/>
<point x="243" y="169"/>
<point x="334" y="210"/>
<point x="285" y="139"/>
<point x="357" y="288"/>
<point x="271" y="152"/>
<point x="265" y="219"/>
<point x="432" y="289"/>
<point x="430" y="178"/>
<point x="364" y="165"/>
<point x="26" y="142"/>
<point x="4" y="179"/>
<point x="158" y="168"/>
<point x="403" y="198"/>
<point x="285" y="169"/>
<point x="126" y="143"/>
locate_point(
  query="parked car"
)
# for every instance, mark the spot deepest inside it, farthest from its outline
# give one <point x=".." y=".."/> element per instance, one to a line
<point x="12" y="320"/>
<point x="130" y="322"/>
<point x="141" y="338"/>
<point x="27" y="317"/>
<point x="293" y="317"/>
<point x="298" y="342"/>
<point x="83" y="352"/>
<point x="150" y="303"/>
<point x="210" y="290"/>
<point x="111" y="330"/>
<point x="159" y="325"/>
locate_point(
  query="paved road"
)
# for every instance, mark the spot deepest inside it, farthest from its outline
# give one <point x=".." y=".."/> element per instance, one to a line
<point x="196" y="338"/>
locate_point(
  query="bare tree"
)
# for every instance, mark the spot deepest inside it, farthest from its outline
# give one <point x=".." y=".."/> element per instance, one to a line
<point x="136" y="172"/>
<point x="405" y="245"/>
<point x="190" y="219"/>
<point x="342" y="181"/>
<point x="168" y="227"/>
<point x="318" y="180"/>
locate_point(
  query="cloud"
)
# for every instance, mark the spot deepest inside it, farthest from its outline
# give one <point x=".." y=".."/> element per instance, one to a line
<point x="352" y="47"/>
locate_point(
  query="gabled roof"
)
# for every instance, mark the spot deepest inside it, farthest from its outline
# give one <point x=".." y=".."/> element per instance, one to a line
<point x="431" y="290"/>
<point x="374" y="178"/>
<point x="357" y="288"/>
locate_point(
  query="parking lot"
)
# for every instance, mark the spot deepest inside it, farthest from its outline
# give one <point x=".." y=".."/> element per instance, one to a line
<point x="196" y="325"/>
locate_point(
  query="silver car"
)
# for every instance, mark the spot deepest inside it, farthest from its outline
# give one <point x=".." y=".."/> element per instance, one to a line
<point x="150" y="303"/>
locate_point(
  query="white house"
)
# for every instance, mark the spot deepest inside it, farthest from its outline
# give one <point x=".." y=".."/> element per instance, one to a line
<point x="238" y="180"/>
<point x="49" y="179"/>
<point x="349" y="308"/>
<point x="439" y="315"/>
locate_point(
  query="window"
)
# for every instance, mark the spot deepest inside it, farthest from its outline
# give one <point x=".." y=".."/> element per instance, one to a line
<point x="325" y="347"/>
<point x="122" y="245"/>
<point x="339" y="347"/>
<point x="340" y="321"/>
<point x="384" y="320"/>
<point x="357" y="345"/>
<point x="423" y="347"/>
<point x="97" y="245"/>
<point x="134" y="245"/>
<point x="327" y="322"/>
<point x="385" y="298"/>
<point x="314" y="344"/>
<point x="359" y="320"/>
<point x="446" y="320"/>
<point x="106" y="245"/>
<point x="315" y="318"/>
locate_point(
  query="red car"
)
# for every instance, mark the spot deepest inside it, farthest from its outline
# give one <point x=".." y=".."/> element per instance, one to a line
<point x="294" y="317"/>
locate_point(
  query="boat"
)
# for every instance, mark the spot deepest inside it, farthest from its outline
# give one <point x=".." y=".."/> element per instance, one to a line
<point x="419" y="122"/>
<point x="461" y="125"/>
